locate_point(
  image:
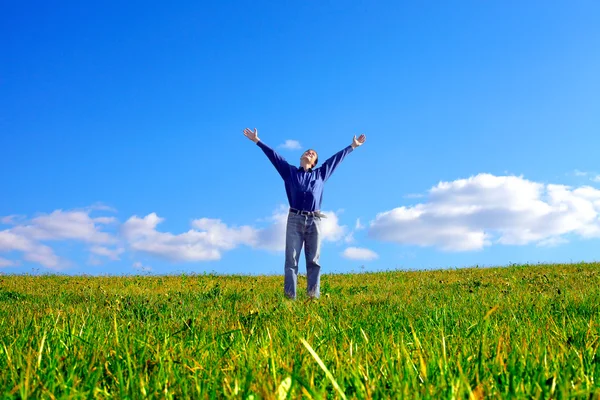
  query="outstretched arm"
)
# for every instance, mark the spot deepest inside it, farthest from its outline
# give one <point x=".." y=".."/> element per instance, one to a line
<point x="278" y="162"/>
<point x="332" y="163"/>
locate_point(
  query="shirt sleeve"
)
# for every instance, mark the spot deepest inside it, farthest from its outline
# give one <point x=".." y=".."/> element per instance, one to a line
<point x="282" y="166"/>
<point x="332" y="162"/>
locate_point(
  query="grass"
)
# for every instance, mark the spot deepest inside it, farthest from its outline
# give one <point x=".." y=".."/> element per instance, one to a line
<point x="518" y="332"/>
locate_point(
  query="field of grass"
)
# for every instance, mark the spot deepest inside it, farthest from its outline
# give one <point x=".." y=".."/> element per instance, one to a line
<point x="518" y="332"/>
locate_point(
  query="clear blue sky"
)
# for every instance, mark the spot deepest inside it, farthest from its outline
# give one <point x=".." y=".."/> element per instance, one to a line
<point x="122" y="148"/>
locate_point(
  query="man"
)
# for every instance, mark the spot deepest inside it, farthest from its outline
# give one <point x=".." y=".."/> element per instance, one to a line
<point x="304" y="188"/>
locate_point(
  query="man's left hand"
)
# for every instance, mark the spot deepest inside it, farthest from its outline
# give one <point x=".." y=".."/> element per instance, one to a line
<point x="358" y="142"/>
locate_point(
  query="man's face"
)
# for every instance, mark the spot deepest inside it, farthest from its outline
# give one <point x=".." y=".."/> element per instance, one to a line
<point x="310" y="155"/>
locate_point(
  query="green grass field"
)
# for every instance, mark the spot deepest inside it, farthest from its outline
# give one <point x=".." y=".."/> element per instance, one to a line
<point x="518" y="332"/>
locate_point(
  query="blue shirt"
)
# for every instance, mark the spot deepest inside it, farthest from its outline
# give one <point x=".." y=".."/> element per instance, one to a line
<point x="304" y="188"/>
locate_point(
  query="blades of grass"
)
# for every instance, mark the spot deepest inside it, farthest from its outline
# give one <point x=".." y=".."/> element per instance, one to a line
<point x="271" y="356"/>
<point x="39" y="360"/>
<point x="324" y="368"/>
<point x="480" y="356"/>
<point x="305" y="386"/>
<point x="284" y="388"/>
<point x="364" y="335"/>
<point x="8" y="358"/>
<point x="116" y="329"/>
<point x="444" y="350"/>
<point x="422" y="364"/>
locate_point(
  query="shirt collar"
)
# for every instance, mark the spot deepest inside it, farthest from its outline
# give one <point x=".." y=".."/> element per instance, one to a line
<point x="302" y="169"/>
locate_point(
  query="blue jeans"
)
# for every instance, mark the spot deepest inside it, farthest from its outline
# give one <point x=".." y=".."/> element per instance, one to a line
<point x="302" y="230"/>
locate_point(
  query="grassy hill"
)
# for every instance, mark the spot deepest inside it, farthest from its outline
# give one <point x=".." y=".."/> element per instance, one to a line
<point x="518" y="331"/>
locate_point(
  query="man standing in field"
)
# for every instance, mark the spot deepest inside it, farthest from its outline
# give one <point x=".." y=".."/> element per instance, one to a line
<point x="304" y="188"/>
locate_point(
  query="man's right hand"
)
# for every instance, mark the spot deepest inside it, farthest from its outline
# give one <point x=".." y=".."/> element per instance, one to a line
<point x="251" y="135"/>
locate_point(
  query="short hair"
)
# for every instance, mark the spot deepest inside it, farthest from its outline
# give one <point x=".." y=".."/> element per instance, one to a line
<point x="316" y="159"/>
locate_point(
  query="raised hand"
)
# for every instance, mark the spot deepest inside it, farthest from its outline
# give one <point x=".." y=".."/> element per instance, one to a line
<point x="251" y="135"/>
<point x="358" y="142"/>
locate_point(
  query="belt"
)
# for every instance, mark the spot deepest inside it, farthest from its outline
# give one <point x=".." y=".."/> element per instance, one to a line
<point x="308" y="213"/>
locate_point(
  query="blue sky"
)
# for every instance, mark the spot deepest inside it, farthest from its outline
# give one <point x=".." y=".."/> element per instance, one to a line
<point x="122" y="146"/>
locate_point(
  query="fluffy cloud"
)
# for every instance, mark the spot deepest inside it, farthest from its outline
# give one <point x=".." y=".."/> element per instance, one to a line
<point x="10" y="219"/>
<point x="99" y="207"/>
<point x="332" y="231"/>
<point x="358" y="225"/>
<point x="468" y="214"/>
<point x="222" y="236"/>
<point x="26" y="236"/>
<point x="205" y="244"/>
<point x="6" y="263"/>
<point x="64" y="225"/>
<point x="290" y="145"/>
<point x="209" y="238"/>
<point x="349" y="238"/>
<point x="32" y="250"/>
<point x="358" y="253"/>
<point x="112" y="254"/>
<point x="105" y="220"/>
<point x="594" y="177"/>
<point x="272" y="237"/>
<point x="138" y="266"/>
<point x="206" y="240"/>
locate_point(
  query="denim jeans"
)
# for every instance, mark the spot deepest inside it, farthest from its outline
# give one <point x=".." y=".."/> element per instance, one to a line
<point x="302" y="230"/>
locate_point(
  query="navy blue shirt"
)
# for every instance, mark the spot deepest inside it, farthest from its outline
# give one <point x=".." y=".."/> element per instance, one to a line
<point x="304" y="188"/>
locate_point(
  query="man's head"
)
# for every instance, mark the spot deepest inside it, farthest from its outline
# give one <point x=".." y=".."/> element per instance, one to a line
<point x="310" y="157"/>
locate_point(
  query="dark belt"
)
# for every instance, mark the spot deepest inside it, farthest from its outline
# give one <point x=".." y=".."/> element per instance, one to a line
<point x="308" y="213"/>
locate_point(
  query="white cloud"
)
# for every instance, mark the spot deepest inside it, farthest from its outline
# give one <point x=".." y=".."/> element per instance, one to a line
<point x="468" y="214"/>
<point x="359" y="253"/>
<point x="11" y="219"/>
<point x="552" y="242"/>
<point x="105" y="220"/>
<point x="358" y="225"/>
<point x="6" y="263"/>
<point x="205" y="244"/>
<point x="273" y="236"/>
<point x="138" y="266"/>
<point x="222" y="236"/>
<point x="26" y="235"/>
<point x="45" y="256"/>
<point x="33" y="251"/>
<point x="349" y="238"/>
<point x="332" y="231"/>
<point x="63" y="225"/>
<point x="94" y="261"/>
<point x="290" y="145"/>
<point x="12" y="242"/>
<point x="594" y="177"/>
<point x="136" y="227"/>
<point x="206" y="240"/>
<point x="112" y="254"/>
<point x="99" y="207"/>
